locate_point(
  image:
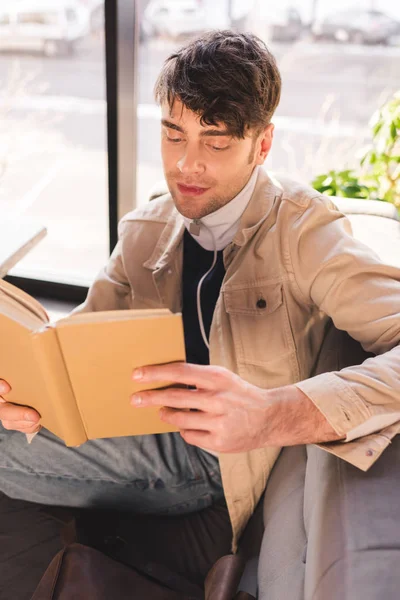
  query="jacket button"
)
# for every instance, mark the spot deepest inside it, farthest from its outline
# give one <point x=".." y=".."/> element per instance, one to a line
<point x="261" y="303"/>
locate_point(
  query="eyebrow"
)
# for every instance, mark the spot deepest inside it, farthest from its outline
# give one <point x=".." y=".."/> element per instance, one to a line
<point x="205" y="133"/>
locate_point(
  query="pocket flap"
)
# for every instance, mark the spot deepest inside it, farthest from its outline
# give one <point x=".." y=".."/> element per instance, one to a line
<point x="254" y="301"/>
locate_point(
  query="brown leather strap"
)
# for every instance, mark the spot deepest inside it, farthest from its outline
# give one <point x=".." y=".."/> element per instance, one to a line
<point x="223" y="579"/>
<point x="81" y="573"/>
<point x="47" y="585"/>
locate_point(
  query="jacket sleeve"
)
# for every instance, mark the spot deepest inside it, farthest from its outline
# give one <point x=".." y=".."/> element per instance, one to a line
<point x="111" y="289"/>
<point x="347" y="281"/>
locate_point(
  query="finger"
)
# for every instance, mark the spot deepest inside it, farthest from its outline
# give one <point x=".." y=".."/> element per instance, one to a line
<point x="21" y="426"/>
<point x="179" y="398"/>
<point x="13" y="412"/>
<point x="4" y="387"/>
<point x="201" y="376"/>
<point x="186" y="419"/>
<point x="202" y="439"/>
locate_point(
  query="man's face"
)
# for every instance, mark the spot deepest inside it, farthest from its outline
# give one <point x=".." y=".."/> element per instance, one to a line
<point x="205" y="166"/>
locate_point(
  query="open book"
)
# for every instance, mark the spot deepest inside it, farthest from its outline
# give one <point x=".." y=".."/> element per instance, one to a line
<point x="18" y="237"/>
<point x="77" y="372"/>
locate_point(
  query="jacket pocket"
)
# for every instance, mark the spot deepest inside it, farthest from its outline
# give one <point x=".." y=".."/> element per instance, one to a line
<point x="259" y="322"/>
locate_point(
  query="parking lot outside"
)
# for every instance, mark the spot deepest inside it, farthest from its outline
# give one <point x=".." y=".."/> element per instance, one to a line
<point x="53" y="158"/>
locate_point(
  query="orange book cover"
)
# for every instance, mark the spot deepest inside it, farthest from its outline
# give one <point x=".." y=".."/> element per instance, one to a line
<point x="77" y="372"/>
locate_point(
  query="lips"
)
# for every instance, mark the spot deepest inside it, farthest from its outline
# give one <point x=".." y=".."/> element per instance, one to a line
<point x="191" y="190"/>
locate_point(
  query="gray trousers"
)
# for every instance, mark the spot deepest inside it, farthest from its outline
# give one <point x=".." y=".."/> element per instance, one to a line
<point x="154" y="474"/>
<point x="332" y="532"/>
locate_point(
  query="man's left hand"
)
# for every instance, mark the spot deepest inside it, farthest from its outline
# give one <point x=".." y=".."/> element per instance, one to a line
<point x="228" y="413"/>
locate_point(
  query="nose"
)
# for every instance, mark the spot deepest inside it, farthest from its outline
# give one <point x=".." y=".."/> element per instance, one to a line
<point x="190" y="162"/>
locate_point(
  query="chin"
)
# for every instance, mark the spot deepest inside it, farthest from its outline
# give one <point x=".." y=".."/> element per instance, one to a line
<point x="188" y="208"/>
<point x="190" y="212"/>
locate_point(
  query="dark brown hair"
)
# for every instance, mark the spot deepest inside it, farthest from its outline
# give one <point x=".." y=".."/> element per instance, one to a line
<point x="225" y="77"/>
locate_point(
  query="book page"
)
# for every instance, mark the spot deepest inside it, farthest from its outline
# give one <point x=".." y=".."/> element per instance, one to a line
<point x="115" y="315"/>
<point x="21" y="306"/>
<point x="17" y="312"/>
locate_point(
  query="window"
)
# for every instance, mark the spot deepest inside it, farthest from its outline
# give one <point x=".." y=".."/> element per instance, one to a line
<point x="38" y="18"/>
<point x="53" y="149"/>
<point x="4" y="20"/>
<point x="70" y="15"/>
<point x="332" y="82"/>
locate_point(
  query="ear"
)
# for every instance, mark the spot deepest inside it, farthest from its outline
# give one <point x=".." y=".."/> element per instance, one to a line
<point x="265" y="143"/>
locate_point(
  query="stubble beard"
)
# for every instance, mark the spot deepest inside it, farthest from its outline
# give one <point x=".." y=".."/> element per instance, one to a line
<point x="196" y="208"/>
<point x="193" y="211"/>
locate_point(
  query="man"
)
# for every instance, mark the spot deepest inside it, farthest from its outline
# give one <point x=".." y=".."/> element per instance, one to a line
<point x="258" y="268"/>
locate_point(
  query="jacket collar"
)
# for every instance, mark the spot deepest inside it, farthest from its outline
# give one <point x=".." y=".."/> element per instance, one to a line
<point x="259" y="208"/>
<point x="168" y="241"/>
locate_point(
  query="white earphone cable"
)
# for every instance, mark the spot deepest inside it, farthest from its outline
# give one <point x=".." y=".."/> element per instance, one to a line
<point x="199" y="311"/>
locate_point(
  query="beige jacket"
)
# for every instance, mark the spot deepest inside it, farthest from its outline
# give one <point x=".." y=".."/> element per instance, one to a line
<point x="295" y="250"/>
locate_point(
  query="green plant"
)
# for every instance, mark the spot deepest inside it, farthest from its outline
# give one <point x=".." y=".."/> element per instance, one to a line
<point x="377" y="177"/>
<point x="341" y="183"/>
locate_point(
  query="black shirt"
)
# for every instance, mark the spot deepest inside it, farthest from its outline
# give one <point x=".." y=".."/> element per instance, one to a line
<point x="196" y="262"/>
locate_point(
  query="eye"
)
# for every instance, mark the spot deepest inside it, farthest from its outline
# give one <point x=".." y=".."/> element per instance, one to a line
<point x="175" y="140"/>
<point x="169" y="136"/>
<point x="219" y="148"/>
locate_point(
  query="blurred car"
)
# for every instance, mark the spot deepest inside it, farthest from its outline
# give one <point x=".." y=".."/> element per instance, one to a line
<point x="273" y="23"/>
<point x="174" y="19"/>
<point x="284" y="25"/>
<point x="42" y="25"/>
<point x="96" y="11"/>
<point x="358" y="27"/>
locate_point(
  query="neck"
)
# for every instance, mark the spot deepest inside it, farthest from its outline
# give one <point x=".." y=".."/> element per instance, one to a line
<point x="216" y="230"/>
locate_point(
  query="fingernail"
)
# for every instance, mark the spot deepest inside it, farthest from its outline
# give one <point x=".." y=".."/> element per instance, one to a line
<point x="3" y="388"/>
<point x="136" y="400"/>
<point x="31" y="418"/>
<point x="137" y="374"/>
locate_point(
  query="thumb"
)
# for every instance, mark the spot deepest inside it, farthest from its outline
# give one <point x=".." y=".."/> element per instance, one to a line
<point x="4" y="387"/>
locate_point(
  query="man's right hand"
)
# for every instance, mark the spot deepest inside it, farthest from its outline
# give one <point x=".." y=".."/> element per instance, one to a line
<point x="15" y="417"/>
